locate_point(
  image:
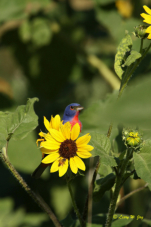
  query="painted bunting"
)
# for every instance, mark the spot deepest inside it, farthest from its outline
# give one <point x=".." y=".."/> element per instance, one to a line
<point x="71" y="114"/>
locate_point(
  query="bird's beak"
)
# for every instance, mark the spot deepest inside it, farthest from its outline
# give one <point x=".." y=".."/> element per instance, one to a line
<point x="79" y="108"/>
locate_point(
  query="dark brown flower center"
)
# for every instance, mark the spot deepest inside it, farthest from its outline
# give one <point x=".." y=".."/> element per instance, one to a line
<point x="68" y="149"/>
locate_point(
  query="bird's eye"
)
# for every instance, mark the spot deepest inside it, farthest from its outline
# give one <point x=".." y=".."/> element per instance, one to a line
<point x="71" y="108"/>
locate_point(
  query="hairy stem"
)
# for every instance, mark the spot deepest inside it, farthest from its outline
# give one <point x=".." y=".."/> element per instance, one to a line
<point x="116" y="191"/>
<point x="41" y="203"/>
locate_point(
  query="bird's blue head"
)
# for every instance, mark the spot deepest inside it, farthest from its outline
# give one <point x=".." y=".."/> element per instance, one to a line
<point x="72" y="110"/>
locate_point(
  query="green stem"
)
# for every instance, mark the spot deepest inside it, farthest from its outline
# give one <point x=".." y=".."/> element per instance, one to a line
<point x="41" y="203"/>
<point x="116" y="191"/>
<point x="74" y="204"/>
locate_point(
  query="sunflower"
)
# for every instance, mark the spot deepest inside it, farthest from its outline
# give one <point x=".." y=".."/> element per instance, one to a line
<point x="63" y="148"/>
<point x="147" y="19"/>
<point x="53" y="124"/>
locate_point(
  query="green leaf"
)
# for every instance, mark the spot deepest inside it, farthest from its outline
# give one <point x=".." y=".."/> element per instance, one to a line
<point x="99" y="220"/>
<point x="41" y="32"/>
<point x="102" y="148"/>
<point x="17" y="125"/>
<point x="142" y="163"/>
<point x="121" y="220"/>
<point x="23" y="120"/>
<point x="124" y="46"/>
<point x="104" y="170"/>
<point x="147" y="221"/>
<point x="134" y="55"/>
<point x="25" y="151"/>
<point x="101" y="142"/>
<point x="146" y="149"/>
<point x="147" y="143"/>
<point x="103" y="185"/>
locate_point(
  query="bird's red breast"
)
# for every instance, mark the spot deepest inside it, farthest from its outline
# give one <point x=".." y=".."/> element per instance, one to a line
<point x="75" y="120"/>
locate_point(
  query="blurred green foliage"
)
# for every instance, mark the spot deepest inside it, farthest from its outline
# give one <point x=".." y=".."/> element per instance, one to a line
<point x="44" y="53"/>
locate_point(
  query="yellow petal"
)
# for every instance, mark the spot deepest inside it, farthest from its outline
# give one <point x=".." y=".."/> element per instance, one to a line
<point x="80" y="164"/>
<point x="48" y="137"/>
<point x="148" y="30"/>
<point x="73" y="166"/>
<point x="56" y="122"/>
<point x="41" y="134"/>
<point x="75" y="131"/>
<point x="66" y="130"/>
<point x="47" y="151"/>
<point x="149" y="36"/>
<point x="83" y="139"/>
<point x="84" y="154"/>
<point x="63" y="168"/>
<point x="50" y="158"/>
<point x="57" y="135"/>
<point x="85" y="148"/>
<point x="146" y="17"/>
<point x="148" y="10"/>
<point x="50" y="145"/>
<point x="46" y="123"/>
<point x="55" y="166"/>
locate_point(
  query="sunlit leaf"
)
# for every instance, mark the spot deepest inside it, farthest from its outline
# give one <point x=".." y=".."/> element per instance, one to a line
<point x="134" y="55"/>
<point x="102" y="148"/>
<point x="142" y="163"/>
<point x="17" y="125"/>
<point x="22" y="121"/>
<point x="124" y="46"/>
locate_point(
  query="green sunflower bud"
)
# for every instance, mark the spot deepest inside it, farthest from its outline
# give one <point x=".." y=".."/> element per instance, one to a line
<point x="132" y="138"/>
<point x="140" y="31"/>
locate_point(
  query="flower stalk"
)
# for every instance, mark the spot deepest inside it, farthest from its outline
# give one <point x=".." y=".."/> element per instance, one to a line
<point x="117" y="189"/>
<point x="41" y="203"/>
